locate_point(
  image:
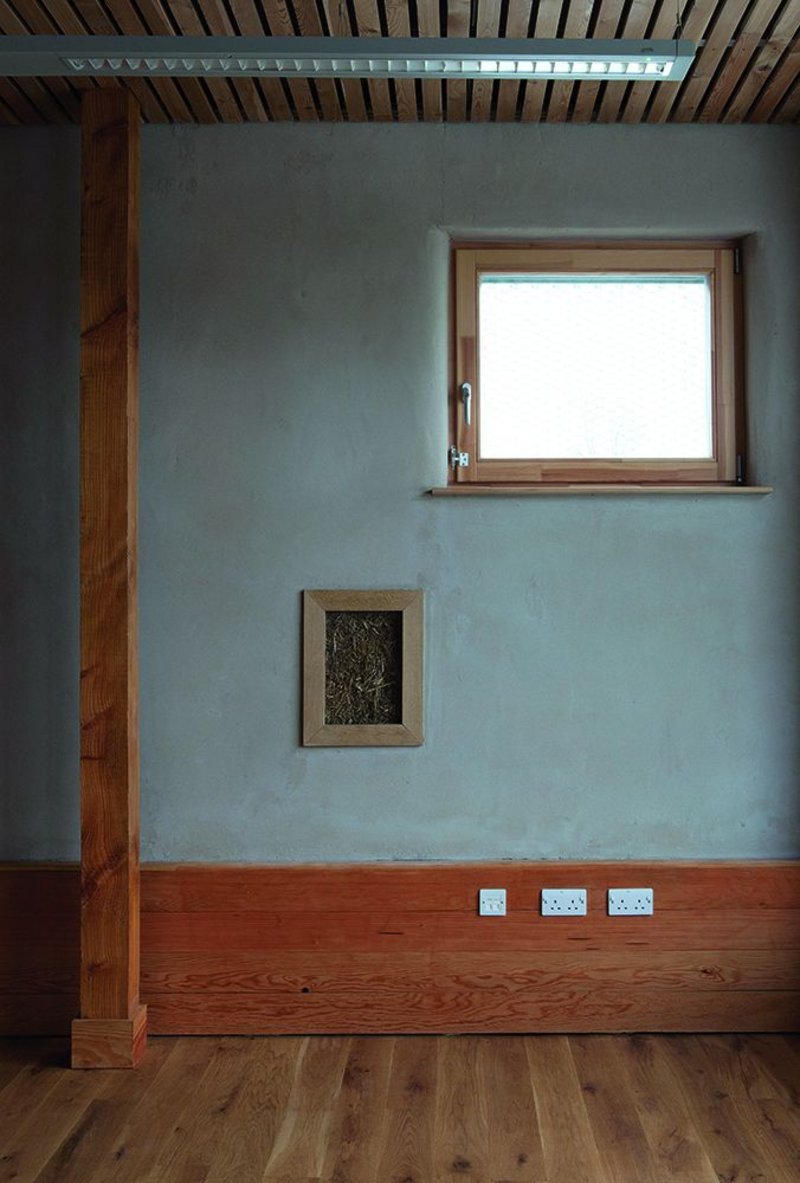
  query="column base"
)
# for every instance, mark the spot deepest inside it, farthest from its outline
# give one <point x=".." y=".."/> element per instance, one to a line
<point x="109" y="1043"/>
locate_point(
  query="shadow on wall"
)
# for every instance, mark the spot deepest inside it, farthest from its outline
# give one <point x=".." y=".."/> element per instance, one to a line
<point x="39" y="386"/>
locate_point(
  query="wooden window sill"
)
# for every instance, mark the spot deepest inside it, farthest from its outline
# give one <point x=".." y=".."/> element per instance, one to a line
<point x="629" y="490"/>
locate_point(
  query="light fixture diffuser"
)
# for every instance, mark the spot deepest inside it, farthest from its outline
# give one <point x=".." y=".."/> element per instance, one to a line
<point x="346" y="57"/>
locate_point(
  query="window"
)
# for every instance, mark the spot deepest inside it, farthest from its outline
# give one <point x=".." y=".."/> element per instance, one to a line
<point x="596" y="365"/>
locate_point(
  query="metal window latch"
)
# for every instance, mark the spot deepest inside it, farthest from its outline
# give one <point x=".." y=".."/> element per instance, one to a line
<point x="458" y="459"/>
<point x="466" y="399"/>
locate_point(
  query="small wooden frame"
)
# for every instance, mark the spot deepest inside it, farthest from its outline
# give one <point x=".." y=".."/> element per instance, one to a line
<point x="473" y="262"/>
<point x="407" y="730"/>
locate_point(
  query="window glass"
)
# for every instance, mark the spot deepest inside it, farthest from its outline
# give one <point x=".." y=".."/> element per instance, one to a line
<point x="595" y="366"/>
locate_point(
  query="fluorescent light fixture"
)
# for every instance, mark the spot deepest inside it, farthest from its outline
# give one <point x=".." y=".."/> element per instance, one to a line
<point x="345" y="57"/>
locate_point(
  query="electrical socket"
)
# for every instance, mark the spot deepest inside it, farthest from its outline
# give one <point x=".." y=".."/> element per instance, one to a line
<point x="492" y="901"/>
<point x="563" y="901"/>
<point x="630" y="901"/>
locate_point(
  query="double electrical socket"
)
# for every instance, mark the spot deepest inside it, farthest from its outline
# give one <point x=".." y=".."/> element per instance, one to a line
<point x="564" y="901"/>
<point x="630" y="901"/>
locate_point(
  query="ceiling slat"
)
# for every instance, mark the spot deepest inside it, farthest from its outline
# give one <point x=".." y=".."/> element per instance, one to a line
<point x="697" y="23"/>
<point x="250" y="98"/>
<point x="146" y="100"/>
<point x="337" y="16"/>
<point x="198" y="100"/>
<point x="635" y="25"/>
<point x="578" y="19"/>
<point x="250" y="24"/>
<point x="162" y="19"/>
<point x="368" y="25"/>
<point x="186" y="20"/>
<point x="47" y="98"/>
<point x="518" y="21"/>
<point x="70" y="22"/>
<point x="309" y="24"/>
<point x="398" y="24"/>
<point x="158" y="22"/>
<point x="547" y="18"/>
<point x="741" y="53"/>
<point x="458" y="19"/>
<point x="126" y="20"/>
<point x="790" y="110"/>
<point x="58" y="16"/>
<point x="56" y="101"/>
<point x="42" y="21"/>
<point x="7" y="115"/>
<point x="483" y="91"/>
<point x="639" y="94"/>
<point x="779" y="85"/>
<point x="432" y="92"/>
<point x="606" y="25"/>
<point x="303" y="95"/>
<point x="18" y="103"/>
<point x="354" y="105"/>
<point x="729" y="17"/>
<point x="779" y="38"/>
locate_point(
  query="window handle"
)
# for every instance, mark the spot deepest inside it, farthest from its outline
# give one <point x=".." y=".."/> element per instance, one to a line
<point x="466" y="399"/>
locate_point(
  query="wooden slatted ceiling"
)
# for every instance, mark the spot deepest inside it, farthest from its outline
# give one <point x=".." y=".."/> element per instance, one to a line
<point x="747" y="69"/>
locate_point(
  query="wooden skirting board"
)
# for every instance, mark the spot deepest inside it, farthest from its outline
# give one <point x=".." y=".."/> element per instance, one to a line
<point x="400" y="948"/>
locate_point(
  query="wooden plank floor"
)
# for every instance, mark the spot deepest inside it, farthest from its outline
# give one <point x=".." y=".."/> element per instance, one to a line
<point x="413" y="1109"/>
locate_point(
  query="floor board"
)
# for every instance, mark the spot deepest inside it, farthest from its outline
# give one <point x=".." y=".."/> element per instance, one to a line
<point x="408" y="1109"/>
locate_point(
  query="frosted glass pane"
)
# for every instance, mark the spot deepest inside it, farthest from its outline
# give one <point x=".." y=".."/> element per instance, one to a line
<point x="595" y="367"/>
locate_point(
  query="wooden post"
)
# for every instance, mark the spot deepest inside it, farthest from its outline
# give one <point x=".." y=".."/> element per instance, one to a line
<point x="112" y="1028"/>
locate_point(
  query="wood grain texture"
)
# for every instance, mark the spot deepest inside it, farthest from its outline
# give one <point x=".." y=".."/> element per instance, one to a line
<point x="109" y="1043"/>
<point x="399" y="948"/>
<point x="569" y="1010"/>
<point x="389" y="933"/>
<point x="746" y="69"/>
<point x="550" y="1109"/>
<point x="108" y="557"/>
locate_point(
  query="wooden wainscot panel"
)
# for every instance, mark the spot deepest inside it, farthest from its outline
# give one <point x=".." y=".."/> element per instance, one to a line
<point x="576" y="1010"/>
<point x="39" y="948"/>
<point x="288" y="974"/>
<point x="452" y="887"/>
<point x="400" y="948"/>
<point x="388" y="933"/>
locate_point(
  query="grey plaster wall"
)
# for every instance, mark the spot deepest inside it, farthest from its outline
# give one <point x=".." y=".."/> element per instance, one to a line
<point x="39" y="260"/>
<point x="604" y="678"/>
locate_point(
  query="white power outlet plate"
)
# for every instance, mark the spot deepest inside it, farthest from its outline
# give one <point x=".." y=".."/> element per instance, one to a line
<point x="563" y="901"/>
<point x="630" y="901"/>
<point x="492" y="901"/>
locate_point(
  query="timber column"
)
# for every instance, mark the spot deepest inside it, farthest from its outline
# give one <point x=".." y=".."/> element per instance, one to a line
<point x="112" y="1029"/>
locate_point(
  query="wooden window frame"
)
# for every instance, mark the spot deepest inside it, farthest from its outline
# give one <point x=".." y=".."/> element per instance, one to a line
<point x="715" y="259"/>
<point x="316" y="732"/>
